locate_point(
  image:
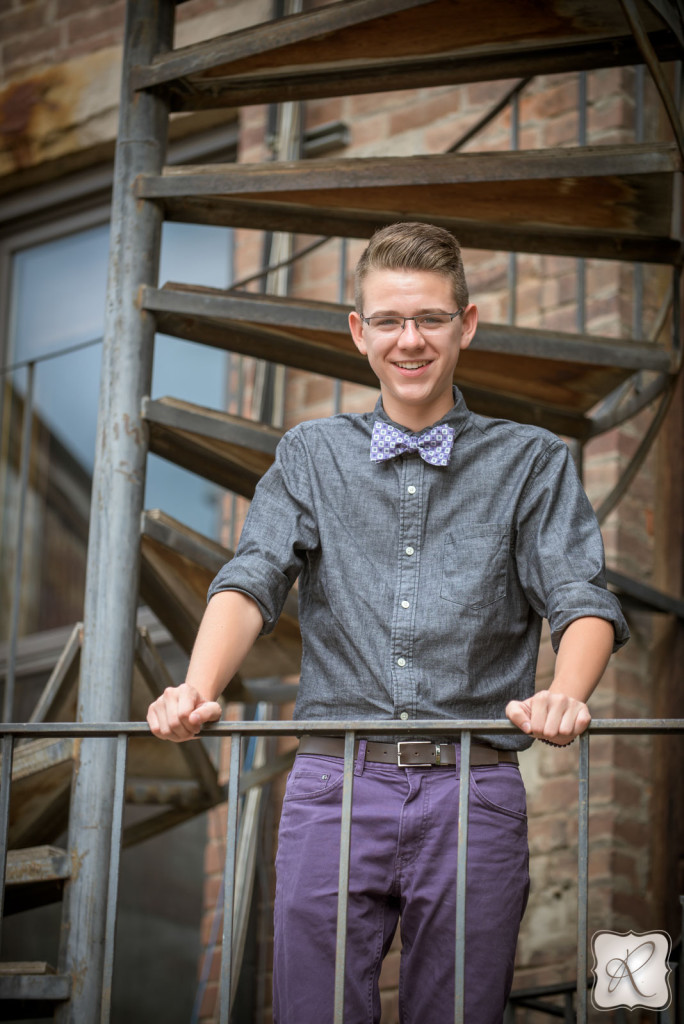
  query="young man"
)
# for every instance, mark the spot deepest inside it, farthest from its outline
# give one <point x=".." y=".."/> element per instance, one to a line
<point x="429" y="543"/>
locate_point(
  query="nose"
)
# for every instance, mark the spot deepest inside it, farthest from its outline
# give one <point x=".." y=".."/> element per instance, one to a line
<point x="411" y="337"/>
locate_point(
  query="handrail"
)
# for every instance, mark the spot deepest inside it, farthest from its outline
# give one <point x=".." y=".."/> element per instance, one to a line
<point x="122" y="731"/>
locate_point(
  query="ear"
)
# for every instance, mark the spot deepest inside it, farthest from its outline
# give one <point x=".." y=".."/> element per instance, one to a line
<point x="356" y="328"/>
<point x="468" y="325"/>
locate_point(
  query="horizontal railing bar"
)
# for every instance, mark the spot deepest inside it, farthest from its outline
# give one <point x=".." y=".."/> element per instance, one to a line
<point x="600" y="726"/>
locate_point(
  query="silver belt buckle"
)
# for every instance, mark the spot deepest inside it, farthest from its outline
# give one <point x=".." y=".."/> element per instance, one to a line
<point x="418" y="764"/>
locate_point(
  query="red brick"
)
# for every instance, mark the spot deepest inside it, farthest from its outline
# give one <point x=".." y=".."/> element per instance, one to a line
<point x="420" y="114"/>
<point x="31" y="49"/>
<point x="562" y="131"/>
<point x="95" y="23"/>
<point x="214" y="857"/>
<point x="66" y="8"/>
<point x="209" y="1001"/>
<point x="486" y="93"/>
<point x="16" y="23"/>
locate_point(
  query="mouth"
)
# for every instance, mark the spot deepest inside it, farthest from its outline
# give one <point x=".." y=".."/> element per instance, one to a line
<point x="412" y="365"/>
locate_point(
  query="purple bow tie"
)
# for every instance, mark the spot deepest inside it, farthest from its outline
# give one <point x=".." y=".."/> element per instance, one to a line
<point x="433" y="445"/>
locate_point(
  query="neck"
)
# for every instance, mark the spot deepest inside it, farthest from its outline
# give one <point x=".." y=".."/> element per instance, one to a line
<point x="417" y="418"/>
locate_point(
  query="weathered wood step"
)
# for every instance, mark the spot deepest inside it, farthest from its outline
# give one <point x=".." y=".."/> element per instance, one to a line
<point x="231" y="451"/>
<point x="612" y="202"/>
<point x="363" y="46"/>
<point x="535" y="376"/>
<point x="35" y="876"/>
<point x="177" y="566"/>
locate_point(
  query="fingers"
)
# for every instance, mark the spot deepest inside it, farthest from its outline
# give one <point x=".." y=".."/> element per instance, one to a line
<point x="180" y="712"/>
<point x="550" y="716"/>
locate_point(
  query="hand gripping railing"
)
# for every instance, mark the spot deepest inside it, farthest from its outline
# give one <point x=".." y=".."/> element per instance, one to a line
<point x="122" y="731"/>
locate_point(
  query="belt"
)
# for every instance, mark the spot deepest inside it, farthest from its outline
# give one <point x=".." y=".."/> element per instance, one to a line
<point x="408" y="753"/>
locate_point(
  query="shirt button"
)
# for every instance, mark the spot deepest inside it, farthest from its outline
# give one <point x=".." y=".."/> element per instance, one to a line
<point x="401" y="662"/>
<point x="404" y="715"/>
<point x="411" y="489"/>
<point x="404" y="604"/>
<point x="409" y="550"/>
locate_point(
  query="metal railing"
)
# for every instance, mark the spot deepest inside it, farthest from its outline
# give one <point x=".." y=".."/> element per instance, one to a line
<point x="122" y="731"/>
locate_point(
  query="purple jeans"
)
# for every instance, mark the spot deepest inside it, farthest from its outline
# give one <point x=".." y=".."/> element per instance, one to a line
<point x="403" y="867"/>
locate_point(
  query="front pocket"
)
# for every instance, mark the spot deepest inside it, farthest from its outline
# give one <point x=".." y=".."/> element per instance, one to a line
<point x="475" y="564"/>
<point x="308" y="783"/>
<point x="501" y="789"/>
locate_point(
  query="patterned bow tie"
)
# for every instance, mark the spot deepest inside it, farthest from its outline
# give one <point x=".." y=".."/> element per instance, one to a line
<point x="433" y="445"/>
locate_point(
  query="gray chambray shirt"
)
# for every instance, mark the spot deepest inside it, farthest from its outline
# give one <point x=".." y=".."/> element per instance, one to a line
<point x="422" y="588"/>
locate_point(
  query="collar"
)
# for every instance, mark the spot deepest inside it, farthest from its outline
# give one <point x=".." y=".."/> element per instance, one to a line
<point x="457" y="417"/>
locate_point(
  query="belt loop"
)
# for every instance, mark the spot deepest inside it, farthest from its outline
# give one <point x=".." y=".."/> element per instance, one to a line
<point x="361" y="758"/>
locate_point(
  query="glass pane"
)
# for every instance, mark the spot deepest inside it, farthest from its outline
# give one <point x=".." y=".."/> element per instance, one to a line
<point x="57" y="300"/>
<point x="58" y="293"/>
<point x="193" y="254"/>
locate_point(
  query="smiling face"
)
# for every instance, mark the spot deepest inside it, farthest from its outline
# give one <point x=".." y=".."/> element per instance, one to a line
<point x="415" y="372"/>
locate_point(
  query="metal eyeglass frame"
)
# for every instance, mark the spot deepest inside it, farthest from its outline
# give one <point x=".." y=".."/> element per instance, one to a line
<point x="416" y="319"/>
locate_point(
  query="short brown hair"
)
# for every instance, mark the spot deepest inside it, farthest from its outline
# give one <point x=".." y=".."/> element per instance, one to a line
<point x="411" y="245"/>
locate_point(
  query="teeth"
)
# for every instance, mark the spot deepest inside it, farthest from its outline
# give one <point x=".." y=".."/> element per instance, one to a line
<point x="411" y="366"/>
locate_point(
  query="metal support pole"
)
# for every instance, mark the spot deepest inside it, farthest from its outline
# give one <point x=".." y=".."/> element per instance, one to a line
<point x="343" y="886"/>
<point x="461" y="868"/>
<point x="6" y="754"/>
<point x="118" y="486"/>
<point x="582" y="877"/>
<point x="227" y="991"/>
<point x="26" y="430"/>
<point x="114" y="861"/>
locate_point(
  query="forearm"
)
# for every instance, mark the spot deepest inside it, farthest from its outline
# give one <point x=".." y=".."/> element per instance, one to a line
<point x="559" y="714"/>
<point x="230" y="625"/>
<point x="583" y="654"/>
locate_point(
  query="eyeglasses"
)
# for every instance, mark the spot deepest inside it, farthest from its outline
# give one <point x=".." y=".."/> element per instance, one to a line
<point x="426" y="323"/>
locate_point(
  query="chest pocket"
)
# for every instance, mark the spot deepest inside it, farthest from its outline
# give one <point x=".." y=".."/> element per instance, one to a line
<point x="475" y="564"/>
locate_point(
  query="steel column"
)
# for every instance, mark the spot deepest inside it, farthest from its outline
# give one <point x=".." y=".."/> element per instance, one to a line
<point x="582" y="877"/>
<point x="117" y="499"/>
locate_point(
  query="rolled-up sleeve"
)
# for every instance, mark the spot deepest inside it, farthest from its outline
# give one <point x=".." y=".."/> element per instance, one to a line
<point x="559" y="549"/>
<point x="278" y="531"/>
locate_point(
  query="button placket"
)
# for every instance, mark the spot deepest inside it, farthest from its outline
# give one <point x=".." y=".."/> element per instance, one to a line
<point x="404" y="612"/>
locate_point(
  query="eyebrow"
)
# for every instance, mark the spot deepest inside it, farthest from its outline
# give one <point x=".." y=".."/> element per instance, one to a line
<point x="420" y="312"/>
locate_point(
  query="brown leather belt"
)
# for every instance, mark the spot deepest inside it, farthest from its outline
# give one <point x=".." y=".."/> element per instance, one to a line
<point x="408" y="753"/>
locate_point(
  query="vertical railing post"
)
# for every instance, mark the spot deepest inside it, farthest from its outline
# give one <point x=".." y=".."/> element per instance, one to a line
<point x="343" y="884"/>
<point x="226" y="992"/>
<point x="113" y="888"/>
<point x="461" y="873"/>
<point x="117" y="499"/>
<point x="6" y="753"/>
<point x="582" y="877"/>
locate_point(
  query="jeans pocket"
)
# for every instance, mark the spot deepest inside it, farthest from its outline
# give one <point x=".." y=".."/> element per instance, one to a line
<point x="501" y="789"/>
<point x="312" y="778"/>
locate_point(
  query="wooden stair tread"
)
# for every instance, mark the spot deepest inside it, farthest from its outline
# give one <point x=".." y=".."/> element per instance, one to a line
<point x="537" y="376"/>
<point x="363" y="46"/>
<point x="36" y="864"/>
<point x="177" y="566"/>
<point x="11" y="968"/>
<point x="215" y="445"/>
<point x="605" y="201"/>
